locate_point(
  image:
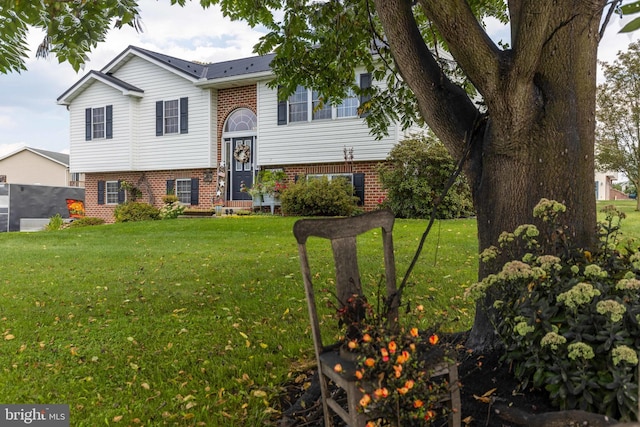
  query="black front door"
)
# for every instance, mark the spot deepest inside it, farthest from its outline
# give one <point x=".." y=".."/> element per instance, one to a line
<point x="242" y="159"/>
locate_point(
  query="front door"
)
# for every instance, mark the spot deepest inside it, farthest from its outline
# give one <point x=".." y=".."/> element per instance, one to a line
<point x="242" y="157"/>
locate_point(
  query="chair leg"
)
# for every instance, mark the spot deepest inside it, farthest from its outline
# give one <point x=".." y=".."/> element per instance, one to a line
<point x="324" y="392"/>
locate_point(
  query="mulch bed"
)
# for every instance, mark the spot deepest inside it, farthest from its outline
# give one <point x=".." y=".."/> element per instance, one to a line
<point x="486" y="383"/>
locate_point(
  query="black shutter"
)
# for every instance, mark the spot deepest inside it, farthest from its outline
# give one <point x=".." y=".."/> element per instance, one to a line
<point x="170" y="186"/>
<point x="101" y="192"/>
<point x="120" y="192"/>
<point x="282" y="110"/>
<point x="358" y="186"/>
<point x="87" y="124"/>
<point x="109" y="122"/>
<point x="195" y="191"/>
<point x="365" y="83"/>
<point x="159" y="118"/>
<point x="184" y="115"/>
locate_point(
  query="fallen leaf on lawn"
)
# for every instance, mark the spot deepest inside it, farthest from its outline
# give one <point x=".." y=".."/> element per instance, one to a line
<point x="467" y="420"/>
<point x="263" y="345"/>
<point x="243" y="335"/>
<point x="145" y="386"/>
<point x="259" y="393"/>
<point x="9" y="337"/>
<point x="485" y="398"/>
<point x="117" y="418"/>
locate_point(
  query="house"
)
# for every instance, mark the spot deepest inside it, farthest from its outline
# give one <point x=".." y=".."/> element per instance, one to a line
<point x="604" y="186"/>
<point x="201" y="131"/>
<point x="34" y="166"/>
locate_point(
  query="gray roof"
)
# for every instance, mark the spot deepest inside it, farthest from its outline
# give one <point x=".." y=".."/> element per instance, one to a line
<point x="213" y="70"/>
<point x="53" y="155"/>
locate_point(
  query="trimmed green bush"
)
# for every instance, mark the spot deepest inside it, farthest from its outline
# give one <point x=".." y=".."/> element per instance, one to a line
<point x="135" y="211"/>
<point x="86" y="222"/>
<point x="414" y="176"/>
<point x="319" y="197"/>
<point x="569" y="319"/>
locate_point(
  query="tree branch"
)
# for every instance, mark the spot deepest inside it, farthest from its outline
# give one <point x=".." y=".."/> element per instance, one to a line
<point x="530" y="32"/>
<point x="445" y="107"/>
<point x="472" y="48"/>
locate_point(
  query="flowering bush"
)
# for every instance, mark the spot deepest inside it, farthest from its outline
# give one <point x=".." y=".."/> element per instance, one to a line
<point x="171" y="210"/>
<point x="393" y="368"/>
<point x="570" y="319"/>
<point x="270" y="182"/>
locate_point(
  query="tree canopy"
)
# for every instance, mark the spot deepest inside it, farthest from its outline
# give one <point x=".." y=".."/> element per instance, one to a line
<point x="618" y="115"/>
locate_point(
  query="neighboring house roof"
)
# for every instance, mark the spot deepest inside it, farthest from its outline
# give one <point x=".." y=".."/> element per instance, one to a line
<point x="213" y="74"/>
<point x="54" y="156"/>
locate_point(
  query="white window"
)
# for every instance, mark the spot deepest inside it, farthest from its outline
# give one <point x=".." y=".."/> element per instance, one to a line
<point x="98" y="122"/>
<point x="320" y="113"/>
<point x="298" y="105"/>
<point x="171" y="116"/>
<point x="111" y="192"/>
<point x="349" y="105"/>
<point x="183" y="191"/>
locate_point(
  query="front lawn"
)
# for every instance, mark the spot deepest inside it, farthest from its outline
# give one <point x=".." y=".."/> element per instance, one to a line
<point x="186" y="322"/>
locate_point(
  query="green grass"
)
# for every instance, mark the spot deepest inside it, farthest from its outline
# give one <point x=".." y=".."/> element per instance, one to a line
<point x="187" y="322"/>
<point x="193" y="322"/>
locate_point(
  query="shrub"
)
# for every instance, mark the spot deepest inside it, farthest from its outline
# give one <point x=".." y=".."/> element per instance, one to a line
<point x="55" y="223"/>
<point x="414" y="176"/>
<point x="319" y="197"/>
<point x="171" y="210"/>
<point x="86" y="222"/>
<point x="167" y="199"/>
<point x="570" y="319"/>
<point x="135" y="211"/>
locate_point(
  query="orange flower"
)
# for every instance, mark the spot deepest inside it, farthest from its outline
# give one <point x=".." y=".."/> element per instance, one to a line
<point x="392" y="347"/>
<point x="412" y="346"/>
<point x="364" y="401"/>
<point x="403" y="357"/>
<point x="403" y="390"/>
<point x="418" y="403"/>
<point x="433" y="339"/>
<point x="398" y="370"/>
<point x="409" y="384"/>
<point x="430" y="414"/>
<point x="366" y="338"/>
<point x="414" y="332"/>
<point x="385" y="354"/>
<point x="420" y="307"/>
<point x="338" y="368"/>
<point x="352" y="344"/>
<point x="381" y="393"/>
<point x="369" y="362"/>
<point x="370" y="424"/>
<point x="358" y="374"/>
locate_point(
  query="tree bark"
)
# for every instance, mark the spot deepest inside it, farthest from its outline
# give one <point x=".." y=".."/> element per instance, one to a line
<point x="537" y="136"/>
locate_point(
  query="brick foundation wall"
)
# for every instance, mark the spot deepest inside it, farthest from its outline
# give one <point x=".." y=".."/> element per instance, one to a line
<point x="152" y="184"/>
<point x="373" y="192"/>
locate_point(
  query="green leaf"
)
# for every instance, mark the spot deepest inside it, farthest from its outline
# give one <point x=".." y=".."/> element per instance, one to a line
<point x="631" y="8"/>
<point x="631" y="26"/>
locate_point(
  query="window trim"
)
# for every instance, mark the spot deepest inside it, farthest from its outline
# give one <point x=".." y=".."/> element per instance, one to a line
<point x="187" y="192"/>
<point x="106" y="123"/>
<point x="182" y="116"/>
<point x="107" y="193"/>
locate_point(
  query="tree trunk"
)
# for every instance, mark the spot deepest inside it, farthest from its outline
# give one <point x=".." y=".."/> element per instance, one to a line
<point x="537" y="138"/>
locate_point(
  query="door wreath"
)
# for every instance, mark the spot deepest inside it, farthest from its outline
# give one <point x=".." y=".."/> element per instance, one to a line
<point x="242" y="153"/>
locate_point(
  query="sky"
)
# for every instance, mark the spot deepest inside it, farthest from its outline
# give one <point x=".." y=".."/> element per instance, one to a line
<point x="30" y="116"/>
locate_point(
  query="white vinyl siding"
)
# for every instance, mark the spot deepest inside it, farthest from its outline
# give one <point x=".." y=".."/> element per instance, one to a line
<point x="318" y="141"/>
<point x="135" y="145"/>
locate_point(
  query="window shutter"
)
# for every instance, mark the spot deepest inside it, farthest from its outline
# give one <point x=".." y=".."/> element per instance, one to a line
<point x="159" y="118"/>
<point x="184" y="115"/>
<point x="170" y="186"/>
<point x="120" y="193"/>
<point x="365" y="83"/>
<point x="358" y="186"/>
<point x="101" y="192"/>
<point x="109" y="122"/>
<point x="87" y="124"/>
<point x="282" y="110"/>
<point x="195" y="191"/>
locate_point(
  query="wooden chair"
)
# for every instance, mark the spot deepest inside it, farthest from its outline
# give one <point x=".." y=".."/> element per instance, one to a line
<point x="342" y="232"/>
